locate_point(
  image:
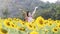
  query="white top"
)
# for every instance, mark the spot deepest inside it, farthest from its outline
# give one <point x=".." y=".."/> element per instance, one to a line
<point x="30" y="19"/>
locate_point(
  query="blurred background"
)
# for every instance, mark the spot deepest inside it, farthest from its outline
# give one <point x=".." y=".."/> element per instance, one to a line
<point x="14" y="8"/>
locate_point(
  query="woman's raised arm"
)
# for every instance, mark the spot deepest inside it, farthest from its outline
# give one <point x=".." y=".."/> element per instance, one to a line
<point x="25" y="14"/>
<point x="34" y="11"/>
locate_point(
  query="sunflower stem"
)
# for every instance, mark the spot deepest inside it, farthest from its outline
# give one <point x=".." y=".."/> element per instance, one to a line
<point x="45" y="32"/>
<point x="53" y="32"/>
<point x="8" y="31"/>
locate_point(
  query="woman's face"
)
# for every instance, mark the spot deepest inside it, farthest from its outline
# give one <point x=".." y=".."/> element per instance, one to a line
<point x="29" y="14"/>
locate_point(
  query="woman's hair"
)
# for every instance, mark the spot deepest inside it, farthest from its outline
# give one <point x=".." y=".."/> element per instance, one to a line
<point x="28" y="13"/>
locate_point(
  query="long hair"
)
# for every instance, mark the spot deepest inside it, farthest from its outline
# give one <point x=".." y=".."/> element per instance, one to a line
<point x="28" y="13"/>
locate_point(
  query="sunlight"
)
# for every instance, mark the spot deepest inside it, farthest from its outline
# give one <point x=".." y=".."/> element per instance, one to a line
<point x="51" y="1"/>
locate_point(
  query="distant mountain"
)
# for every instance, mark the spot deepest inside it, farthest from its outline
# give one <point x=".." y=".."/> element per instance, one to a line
<point x="14" y="5"/>
<point x="58" y="2"/>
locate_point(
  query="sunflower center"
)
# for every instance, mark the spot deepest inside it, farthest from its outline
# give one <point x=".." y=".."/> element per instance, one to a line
<point x="41" y="22"/>
<point x="59" y="25"/>
<point x="8" y="23"/>
<point x="55" y="29"/>
<point x="3" y="31"/>
<point x="30" y="26"/>
<point x="50" y="24"/>
<point x="22" y="29"/>
<point x="12" y="25"/>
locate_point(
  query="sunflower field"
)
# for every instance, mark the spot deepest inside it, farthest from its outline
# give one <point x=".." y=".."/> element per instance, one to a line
<point x="37" y="26"/>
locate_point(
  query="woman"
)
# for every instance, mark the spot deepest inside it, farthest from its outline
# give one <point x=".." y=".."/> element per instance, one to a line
<point x="29" y="16"/>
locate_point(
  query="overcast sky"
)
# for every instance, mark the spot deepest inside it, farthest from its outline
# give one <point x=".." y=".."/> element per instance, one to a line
<point x="51" y="1"/>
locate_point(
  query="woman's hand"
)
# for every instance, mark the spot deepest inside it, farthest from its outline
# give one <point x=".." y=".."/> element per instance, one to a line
<point x="34" y="11"/>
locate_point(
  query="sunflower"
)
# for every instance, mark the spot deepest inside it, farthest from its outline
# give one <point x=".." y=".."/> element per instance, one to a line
<point x="3" y="31"/>
<point x="49" y="19"/>
<point x="14" y="18"/>
<point x="58" y="25"/>
<point x="55" y="30"/>
<point x="0" y="25"/>
<point x="29" y="26"/>
<point x="45" y="22"/>
<point x="9" y="19"/>
<point x="40" y="21"/>
<point x="7" y="23"/>
<point x="21" y="29"/>
<point x="57" y="21"/>
<point x="34" y="26"/>
<point x="33" y="32"/>
<point x="22" y="22"/>
<point x="1" y="20"/>
<point x="40" y="24"/>
<point x="50" y="23"/>
<point x="13" y="25"/>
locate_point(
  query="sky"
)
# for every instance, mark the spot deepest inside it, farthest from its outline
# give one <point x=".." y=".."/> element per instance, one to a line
<point x="51" y="1"/>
